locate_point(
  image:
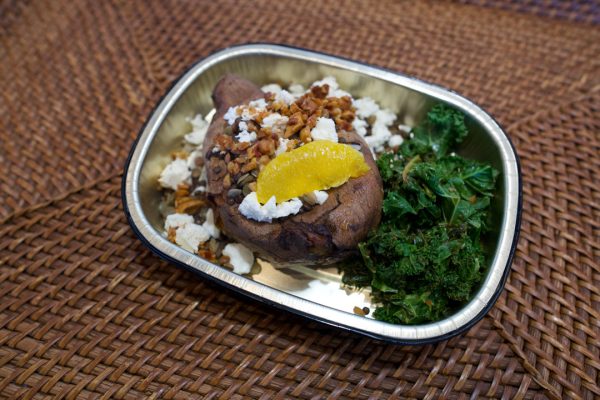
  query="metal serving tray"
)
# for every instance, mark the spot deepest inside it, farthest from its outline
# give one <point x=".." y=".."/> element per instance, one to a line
<point x="311" y="291"/>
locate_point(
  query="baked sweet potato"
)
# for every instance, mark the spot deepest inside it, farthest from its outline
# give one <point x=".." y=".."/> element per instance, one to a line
<point x="322" y="235"/>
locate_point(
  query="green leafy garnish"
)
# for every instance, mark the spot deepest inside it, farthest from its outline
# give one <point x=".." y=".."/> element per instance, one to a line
<point x="426" y="257"/>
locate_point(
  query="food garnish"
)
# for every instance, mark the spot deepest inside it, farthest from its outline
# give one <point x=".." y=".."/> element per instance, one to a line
<point x="318" y="165"/>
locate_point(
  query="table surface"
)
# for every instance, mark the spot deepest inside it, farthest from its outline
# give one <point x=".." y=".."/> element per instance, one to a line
<point x="87" y="311"/>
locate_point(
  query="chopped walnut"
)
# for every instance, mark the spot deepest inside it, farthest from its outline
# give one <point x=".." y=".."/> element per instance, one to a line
<point x="242" y="158"/>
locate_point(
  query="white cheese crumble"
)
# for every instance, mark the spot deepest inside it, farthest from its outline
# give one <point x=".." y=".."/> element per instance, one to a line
<point x="365" y="107"/>
<point x="285" y="97"/>
<point x="252" y="209"/>
<point x="321" y="196"/>
<point x="175" y="173"/>
<point x="240" y="257"/>
<point x="177" y="221"/>
<point x="272" y="88"/>
<point x="297" y="90"/>
<point x="209" y="224"/>
<point x="328" y="80"/>
<point x="231" y="115"/>
<point x="334" y="87"/>
<point x="282" y="147"/>
<point x="360" y="126"/>
<point x="199" y="128"/>
<point x="405" y="128"/>
<point x="380" y="132"/>
<point x="275" y="121"/>
<point x="190" y="233"/>
<point x="324" y="130"/>
<point x="258" y="104"/>
<point x="246" y="112"/>
<point x="245" y="136"/>
<point x="189" y="236"/>
<point x="377" y="141"/>
<point x="395" y="140"/>
<point x="281" y="95"/>
<point x="385" y="117"/>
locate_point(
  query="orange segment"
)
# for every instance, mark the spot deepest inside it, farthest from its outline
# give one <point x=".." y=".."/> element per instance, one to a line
<point x="318" y="165"/>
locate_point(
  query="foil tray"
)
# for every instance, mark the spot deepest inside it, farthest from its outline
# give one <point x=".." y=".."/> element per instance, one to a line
<point x="316" y="292"/>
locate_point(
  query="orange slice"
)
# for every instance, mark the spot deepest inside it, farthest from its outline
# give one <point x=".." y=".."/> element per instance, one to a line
<point x="318" y="165"/>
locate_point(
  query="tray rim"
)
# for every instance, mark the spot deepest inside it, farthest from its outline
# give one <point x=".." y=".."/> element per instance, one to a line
<point x="397" y="334"/>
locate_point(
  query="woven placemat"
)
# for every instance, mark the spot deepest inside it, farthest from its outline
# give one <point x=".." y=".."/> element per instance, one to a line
<point x="88" y="312"/>
<point x="573" y="10"/>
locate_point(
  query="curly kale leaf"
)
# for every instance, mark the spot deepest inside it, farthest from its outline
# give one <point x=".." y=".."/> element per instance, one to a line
<point x="426" y="257"/>
<point x="442" y="130"/>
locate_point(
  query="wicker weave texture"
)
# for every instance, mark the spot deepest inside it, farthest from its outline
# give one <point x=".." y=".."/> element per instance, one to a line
<point x="88" y="312"/>
<point x="587" y="11"/>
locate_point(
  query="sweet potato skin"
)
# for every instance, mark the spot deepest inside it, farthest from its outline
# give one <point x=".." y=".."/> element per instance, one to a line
<point x="323" y="235"/>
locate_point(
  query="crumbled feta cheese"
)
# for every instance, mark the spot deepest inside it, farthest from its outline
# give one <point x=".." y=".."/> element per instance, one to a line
<point x="360" y="126"/>
<point x="177" y="221"/>
<point x="281" y="95"/>
<point x="240" y="257"/>
<point x="339" y="93"/>
<point x="334" y="87"/>
<point x="324" y="130"/>
<point x="282" y="148"/>
<point x="365" y="107"/>
<point x="209" y="224"/>
<point x="321" y="196"/>
<point x="175" y="173"/>
<point x="380" y="133"/>
<point x="285" y="97"/>
<point x="245" y="136"/>
<point x="290" y="207"/>
<point x="376" y="142"/>
<point x="328" y="80"/>
<point x="272" y="88"/>
<point x="231" y="115"/>
<point x="405" y="128"/>
<point x="246" y="112"/>
<point x="258" y="104"/>
<point x="198" y="122"/>
<point x="297" y="90"/>
<point x="190" y="236"/>
<point x="385" y="117"/>
<point x="275" y="121"/>
<point x="395" y="140"/>
<point x="253" y="108"/>
<point x="199" y="128"/>
<point x="252" y="209"/>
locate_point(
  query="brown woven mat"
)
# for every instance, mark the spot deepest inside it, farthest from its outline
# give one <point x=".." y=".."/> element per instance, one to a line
<point x="88" y="312"/>
<point x="574" y="10"/>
